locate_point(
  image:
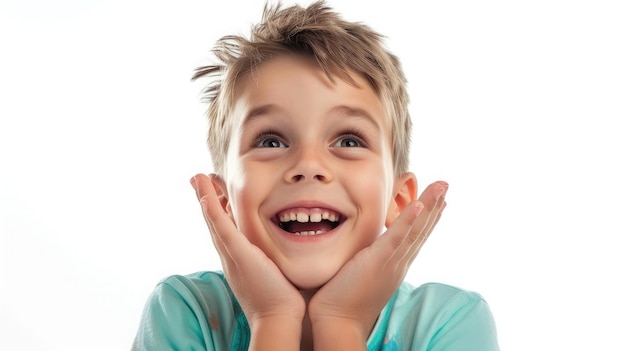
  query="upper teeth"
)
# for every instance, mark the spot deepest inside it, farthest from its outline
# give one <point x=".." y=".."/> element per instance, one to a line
<point x="304" y="215"/>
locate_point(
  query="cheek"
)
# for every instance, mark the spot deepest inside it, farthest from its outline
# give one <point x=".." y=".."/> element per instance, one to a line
<point x="249" y="187"/>
<point x="371" y="192"/>
<point x="374" y="183"/>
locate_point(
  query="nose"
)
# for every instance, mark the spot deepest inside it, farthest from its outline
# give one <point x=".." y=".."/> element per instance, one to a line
<point x="309" y="165"/>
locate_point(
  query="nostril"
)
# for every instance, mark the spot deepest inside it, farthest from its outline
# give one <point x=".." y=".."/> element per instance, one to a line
<point x="296" y="176"/>
<point x="300" y="177"/>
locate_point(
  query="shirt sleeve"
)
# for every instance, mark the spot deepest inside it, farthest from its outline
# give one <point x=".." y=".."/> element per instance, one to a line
<point x="170" y="321"/>
<point x="466" y="324"/>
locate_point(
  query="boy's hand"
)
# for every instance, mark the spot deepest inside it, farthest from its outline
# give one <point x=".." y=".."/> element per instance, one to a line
<point x="352" y="300"/>
<point x="269" y="301"/>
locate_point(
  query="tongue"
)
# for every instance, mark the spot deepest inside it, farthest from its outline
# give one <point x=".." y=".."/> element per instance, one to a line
<point x="295" y="227"/>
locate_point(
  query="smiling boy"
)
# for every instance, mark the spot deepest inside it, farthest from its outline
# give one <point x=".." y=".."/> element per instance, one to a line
<point x="312" y="208"/>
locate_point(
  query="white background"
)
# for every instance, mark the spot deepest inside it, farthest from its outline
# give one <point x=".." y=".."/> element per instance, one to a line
<point x="518" y="105"/>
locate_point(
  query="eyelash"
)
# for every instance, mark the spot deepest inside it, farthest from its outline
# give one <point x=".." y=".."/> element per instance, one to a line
<point x="271" y="134"/>
<point x="354" y="134"/>
<point x="265" y="135"/>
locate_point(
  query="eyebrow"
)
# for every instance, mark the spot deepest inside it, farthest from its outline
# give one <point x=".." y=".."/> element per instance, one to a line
<point x="344" y="110"/>
<point x="259" y="111"/>
<point x="349" y="111"/>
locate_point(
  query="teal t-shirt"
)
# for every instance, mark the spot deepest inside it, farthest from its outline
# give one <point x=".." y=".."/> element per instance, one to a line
<point x="199" y="312"/>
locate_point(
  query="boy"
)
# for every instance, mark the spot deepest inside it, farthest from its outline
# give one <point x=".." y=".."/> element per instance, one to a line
<point x="309" y="135"/>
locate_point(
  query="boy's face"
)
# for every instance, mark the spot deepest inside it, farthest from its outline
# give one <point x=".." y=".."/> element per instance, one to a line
<point x="309" y="173"/>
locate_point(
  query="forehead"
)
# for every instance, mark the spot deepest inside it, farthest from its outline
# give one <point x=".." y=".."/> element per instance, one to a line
<point x="296" y="84"/>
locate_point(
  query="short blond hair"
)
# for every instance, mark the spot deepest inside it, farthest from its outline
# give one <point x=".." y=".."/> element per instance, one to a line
<point x="339" y="47"/>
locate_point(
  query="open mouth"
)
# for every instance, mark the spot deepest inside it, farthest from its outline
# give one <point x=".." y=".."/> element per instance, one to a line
<point x="308" y="221"/>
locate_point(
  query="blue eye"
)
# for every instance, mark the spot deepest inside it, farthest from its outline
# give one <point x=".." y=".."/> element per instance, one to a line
<point x="268" y="140"/>
<point x="348" y="143"/>
<point x="349" y="140"/>
<point x="272" y="143"/>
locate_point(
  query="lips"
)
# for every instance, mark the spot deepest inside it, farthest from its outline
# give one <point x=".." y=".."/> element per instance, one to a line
<point x="308" y="221"/>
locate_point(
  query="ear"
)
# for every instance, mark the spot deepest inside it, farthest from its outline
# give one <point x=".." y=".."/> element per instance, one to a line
<point x="222" y="193"/>
<point x="404" y="191"/>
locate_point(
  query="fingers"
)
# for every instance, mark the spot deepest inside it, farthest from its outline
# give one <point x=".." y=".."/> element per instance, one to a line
<point x="384" y="251"/>
<point x="397" y="232"/>
<point x="410" y="257"/>
<point x="211" y="208"/>
<point x="410" y="230"/>
<point x="434" y="202"/>
<point x="223" y="230"/>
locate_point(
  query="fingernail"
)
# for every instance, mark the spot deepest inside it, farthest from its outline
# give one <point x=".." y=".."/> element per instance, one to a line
<point x="418" y="208"/>
<point x="444" y="190"/>
<point x="193" y="182"/>
<point x="440" y="192"/>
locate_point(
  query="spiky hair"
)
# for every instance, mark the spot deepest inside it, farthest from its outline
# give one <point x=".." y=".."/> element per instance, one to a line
<point x="339" y="47"/>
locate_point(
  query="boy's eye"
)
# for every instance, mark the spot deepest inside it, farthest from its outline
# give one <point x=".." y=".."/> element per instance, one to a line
<point x="269" y="140"/>
<point x="349" y="140"/>
<point x="272" y="143"/>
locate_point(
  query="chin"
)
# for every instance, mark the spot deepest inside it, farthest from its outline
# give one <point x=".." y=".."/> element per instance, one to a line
<point x="308" y="280"/>
<point x="309" y="285"/>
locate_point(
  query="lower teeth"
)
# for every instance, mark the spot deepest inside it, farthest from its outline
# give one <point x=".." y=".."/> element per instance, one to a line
<point x="309" y="232"/>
